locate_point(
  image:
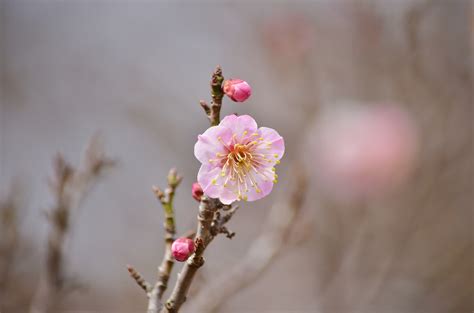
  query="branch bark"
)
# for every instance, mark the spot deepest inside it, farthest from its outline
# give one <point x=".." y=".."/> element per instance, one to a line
<point x="213" y="111"/>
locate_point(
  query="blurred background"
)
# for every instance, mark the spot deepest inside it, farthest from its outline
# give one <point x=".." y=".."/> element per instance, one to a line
<point x="373" y="97"/>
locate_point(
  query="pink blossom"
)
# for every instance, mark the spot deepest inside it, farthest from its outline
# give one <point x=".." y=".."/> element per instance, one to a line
<point x="236" y="89"/>
<point x="238" y="159"/>
<point x="364" y="152"/>
<point x="196" y="191"/>
<point x="182" y="248"/>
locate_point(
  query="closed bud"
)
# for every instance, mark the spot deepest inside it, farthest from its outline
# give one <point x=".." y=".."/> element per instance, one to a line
<point x="182" y="248"/>
<point x="196" y="191"/>
<point x="173" y="178"/>
<point x="236" y="89"/>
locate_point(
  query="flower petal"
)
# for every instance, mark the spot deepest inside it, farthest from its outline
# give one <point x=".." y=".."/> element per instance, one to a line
<point x="239" y="124"/>
<point x="228" y="121"/>
<point x="264" y="187"/>
<point x="273" y="145"/>
<point x="208" y="144"/>
<point x="205" y="175"/>
<point x="272" y="136"/>
<point x="213" y="184"/>
<point x="227" y="196"/>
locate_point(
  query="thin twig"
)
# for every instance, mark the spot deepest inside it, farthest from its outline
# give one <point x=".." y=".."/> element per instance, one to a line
<point x="155" y="292"/>
<point x="218" y="225"/>
<point x="164" y="270"/>
<point x="146" y="286"/>
<point x="69" y="187"/>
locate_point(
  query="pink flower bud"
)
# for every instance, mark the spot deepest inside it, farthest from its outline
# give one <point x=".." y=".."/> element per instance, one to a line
<point x="236" y="89"/>
<point x="196" y="191"/>
<point x="182" y="248"/>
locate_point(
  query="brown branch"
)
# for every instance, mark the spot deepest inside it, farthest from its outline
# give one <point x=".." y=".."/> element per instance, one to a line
<point x="213" y="111"/>
<point x="412" y="24"/>
<point x="146" y="286"/>
<point x="218" y="225"/>
<point x="69" y="187"/>
<point x="261" y="253"/>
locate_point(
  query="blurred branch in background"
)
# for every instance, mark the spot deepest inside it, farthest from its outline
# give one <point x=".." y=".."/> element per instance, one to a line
<point x="8" y="241"/>
<point x="69" y="187"/>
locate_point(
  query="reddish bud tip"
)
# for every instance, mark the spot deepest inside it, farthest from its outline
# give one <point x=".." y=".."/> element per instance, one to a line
<point x="236" y="89"/>
<point x="182" y="248"/>
<point x="196" y="191"/>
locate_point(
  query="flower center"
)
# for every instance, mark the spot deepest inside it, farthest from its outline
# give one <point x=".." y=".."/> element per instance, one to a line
<point x="245" y="164"/>
<point x="240" y="154"/>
